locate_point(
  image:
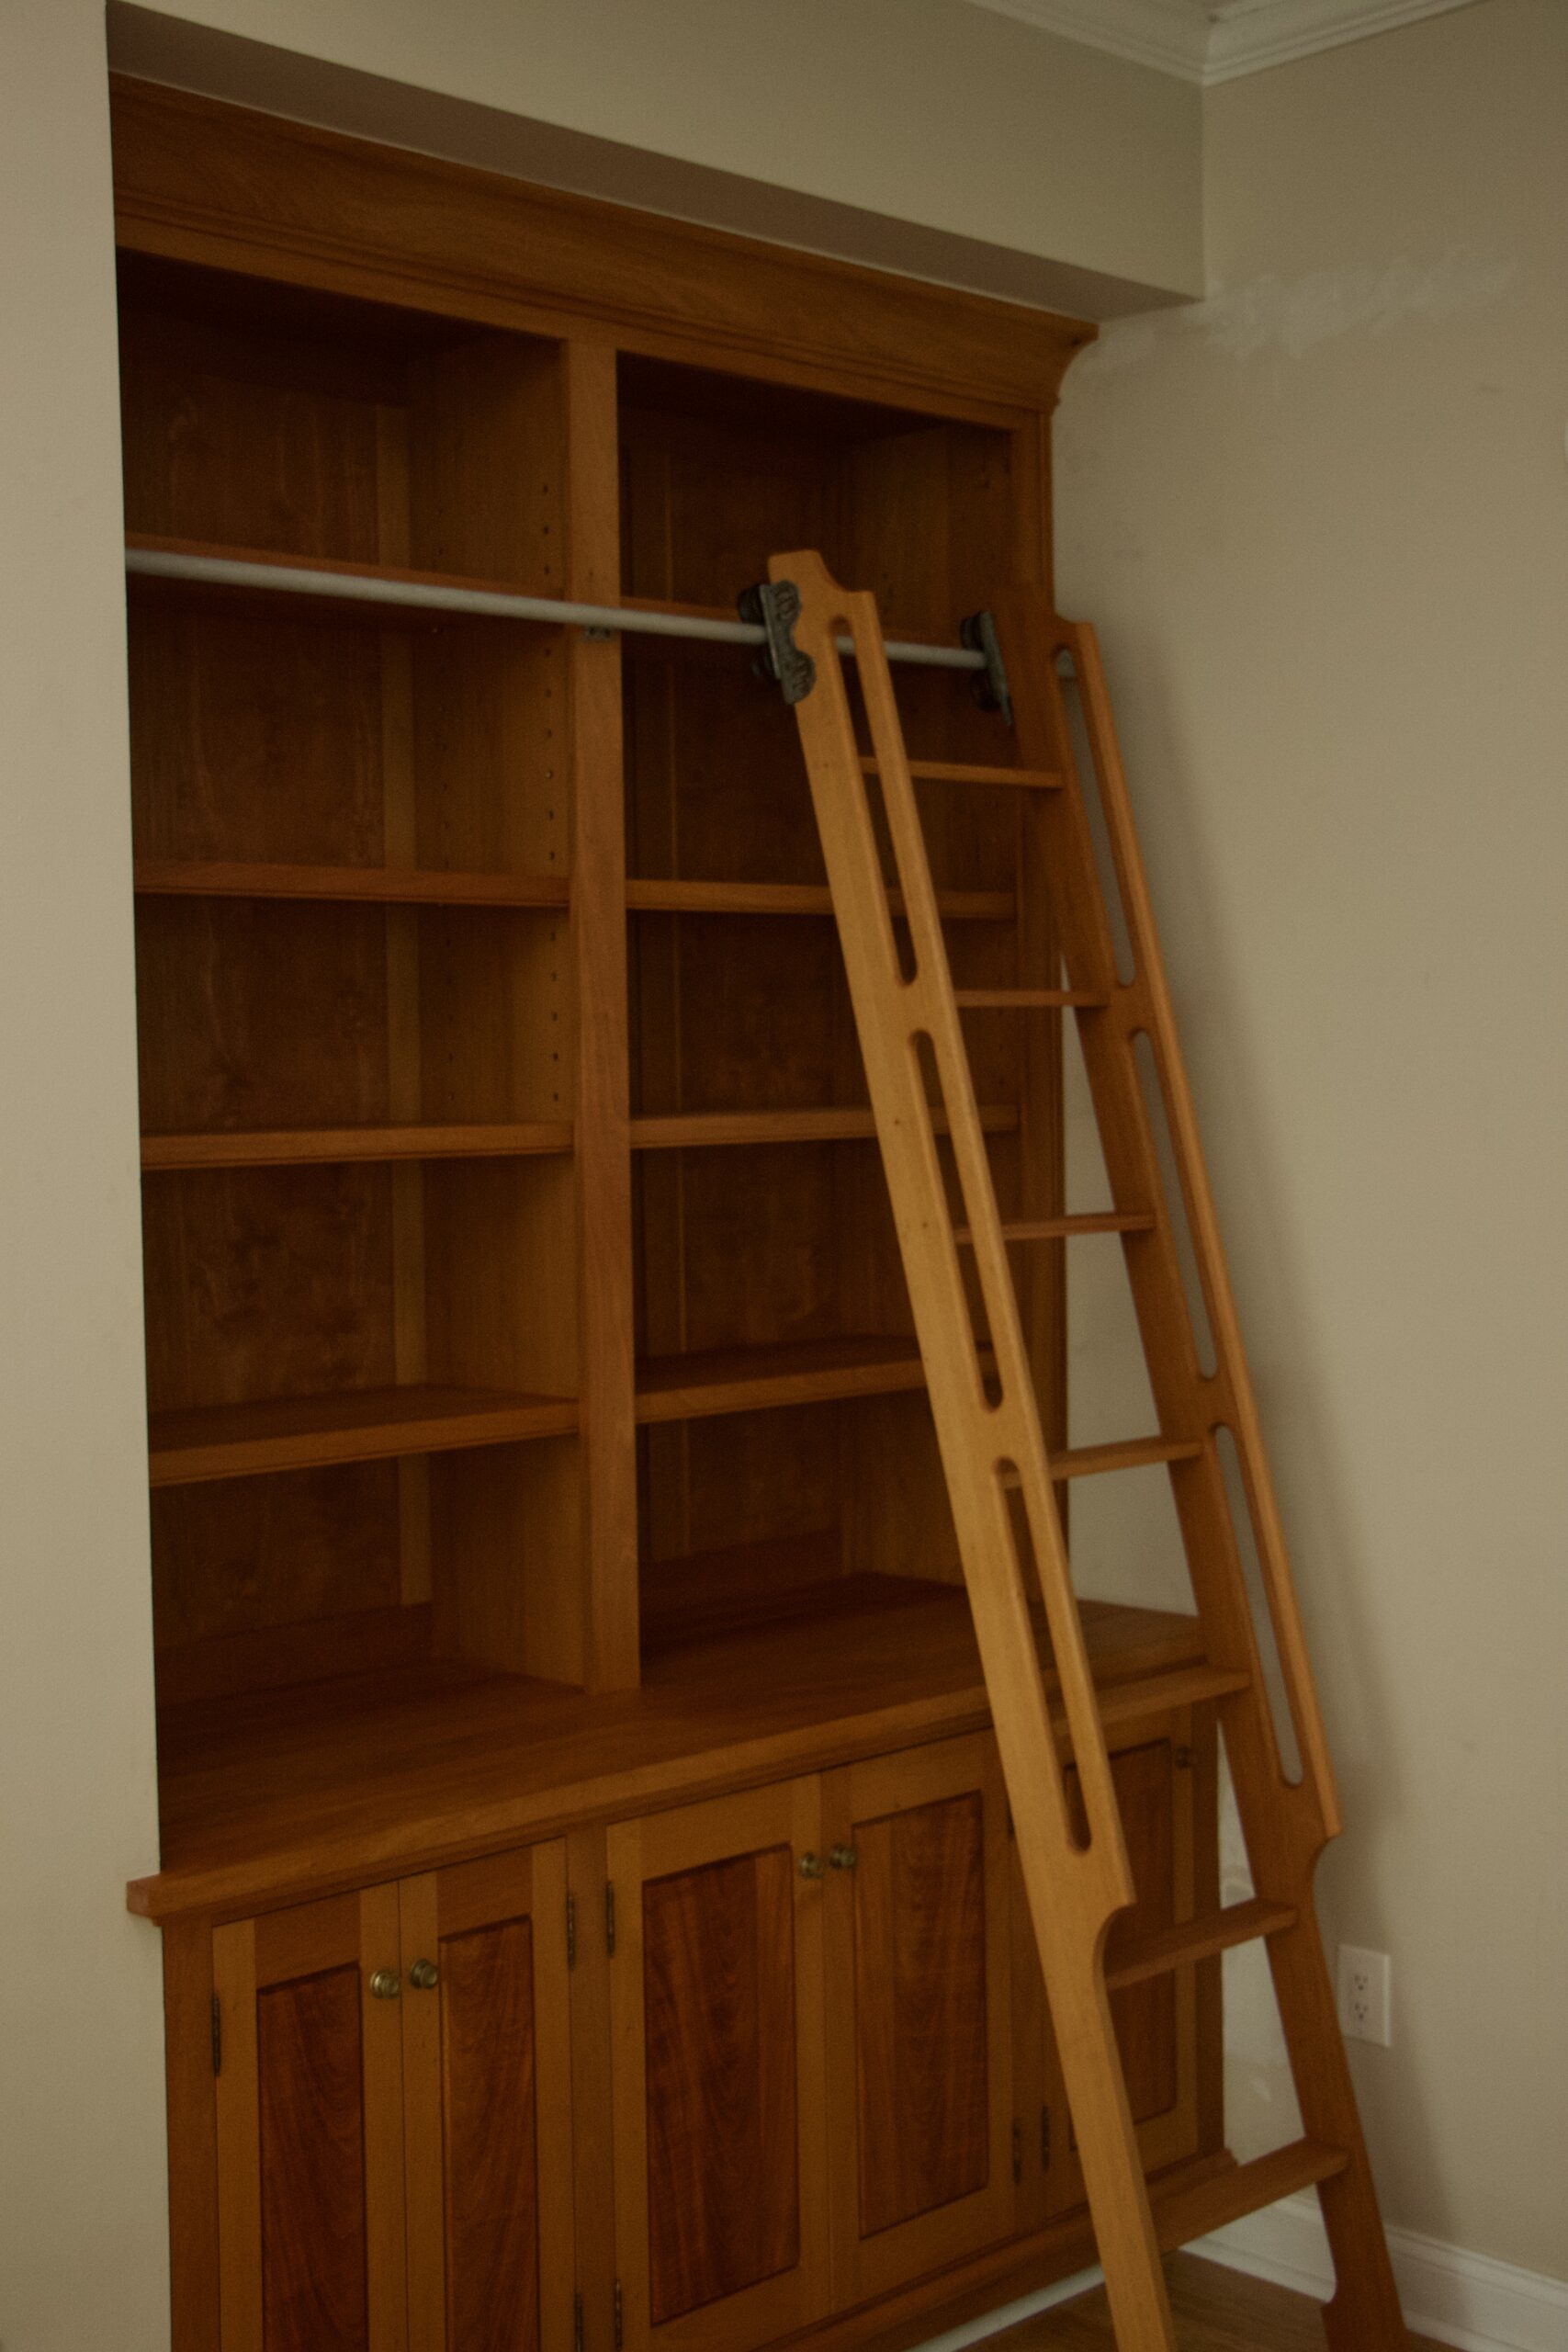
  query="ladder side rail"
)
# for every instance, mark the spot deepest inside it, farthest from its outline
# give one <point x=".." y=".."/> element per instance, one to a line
<point x="1191" y="1404"/>
<point x="1286" y="1825"/>
<point x="1074" y="1891"/>
<point x="1232" y="1402"/>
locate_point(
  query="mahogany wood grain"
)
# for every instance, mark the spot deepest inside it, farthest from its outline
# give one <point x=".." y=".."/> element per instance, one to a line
<point x="255" y="878"/>
<point x="295" y="1790"/>
<point x="921" y="2104"/>
<point x="245" y="190"/>
<point x="718" y="1999"/>
<point x="603" y="1215"/>
<point x="310" y="1146"/>
<point x="193" y="2258"/>
<point x="291" y="1433"/>
<point x="735" y="1380"/>
<point x="313" y="2183"/>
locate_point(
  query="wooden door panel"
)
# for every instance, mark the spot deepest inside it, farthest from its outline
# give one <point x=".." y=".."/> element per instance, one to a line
<point x="489" y="2168"/>
<point x="717" y="2002"/>
<point x="918" y="2013"/>
<point x="310" y="2130"/>
<point x="718" y="1975"/>
<point x="310" y="2075"/>
<point x="919" y="1993"/>
<point x="1155" y="2021"/>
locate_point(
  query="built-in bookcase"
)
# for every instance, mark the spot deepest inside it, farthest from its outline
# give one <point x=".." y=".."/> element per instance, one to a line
<point x="413" y="1130"/>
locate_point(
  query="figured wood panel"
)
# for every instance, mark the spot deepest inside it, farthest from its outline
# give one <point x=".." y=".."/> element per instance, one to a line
<point x="491" y="2156"/>
<point x="716" y="1997"/>
<point x="313" y="2164"/>
<point x="1156" y="2020"/>
<point x="920" y="2070"/>
<point x="919" y="1994"/>
<point x="719" y="1988"/>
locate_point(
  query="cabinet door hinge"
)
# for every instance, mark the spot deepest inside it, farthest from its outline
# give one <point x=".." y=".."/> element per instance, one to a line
<point x="216" y="2035"/>
<point x="610" y="1918"/>
<point x="571" y="1963"/>
<point x="576" y="2308"/>
<point x="1045" y="2137"/>
<point x="1017" y="2149"/>
<point x="620" y="2325"/>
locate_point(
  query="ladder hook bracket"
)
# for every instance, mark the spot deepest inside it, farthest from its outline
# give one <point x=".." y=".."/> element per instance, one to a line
<point x="774" y="607"/>
<point x="979" y="634"/>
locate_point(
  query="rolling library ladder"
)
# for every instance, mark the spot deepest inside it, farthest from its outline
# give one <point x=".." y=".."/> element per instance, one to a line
<point x="999" y="1477"/>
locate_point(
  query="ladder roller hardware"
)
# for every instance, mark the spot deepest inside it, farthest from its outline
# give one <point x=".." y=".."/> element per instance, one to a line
<point x="987" y="1420"/>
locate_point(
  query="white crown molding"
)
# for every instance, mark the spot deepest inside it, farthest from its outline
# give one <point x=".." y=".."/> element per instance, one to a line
<point x="1217" y="40"/>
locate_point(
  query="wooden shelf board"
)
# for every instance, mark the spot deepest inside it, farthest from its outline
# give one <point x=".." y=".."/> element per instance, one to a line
<point x="746" y="1380"/>
<point x="648" y="895"/>
<point x="702" y="1130"/>
<point x="1063" y="1228"/>
<point x="287" y="1793"/>
<point x="357" y="1425"/>
<point x="173" y="878"/>
<point x="314" y="1147"/>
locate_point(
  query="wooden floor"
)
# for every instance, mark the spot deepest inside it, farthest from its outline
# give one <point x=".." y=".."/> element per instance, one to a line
<point x="1216" y="2311"/>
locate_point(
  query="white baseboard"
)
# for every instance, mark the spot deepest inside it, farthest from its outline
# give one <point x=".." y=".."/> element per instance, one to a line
<point x="1462" y="2298"/>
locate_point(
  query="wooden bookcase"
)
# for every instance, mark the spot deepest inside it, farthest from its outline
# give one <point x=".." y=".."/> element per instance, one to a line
<point x="545" y="1510"/>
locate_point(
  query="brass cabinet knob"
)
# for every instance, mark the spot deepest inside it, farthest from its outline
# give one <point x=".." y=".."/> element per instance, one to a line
<point x="843" y="1857"/>
<point x="386" y="1984"/>
<point x="423" y="1974"/>
<point x="811" y="1866"/>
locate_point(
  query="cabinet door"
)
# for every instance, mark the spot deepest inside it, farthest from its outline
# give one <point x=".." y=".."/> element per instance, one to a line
<point x="919" y="2024"/>
<point x="487" y="2097"/>
<point x="717" y="2006"/>
<point x="1155" y="2021"/>
<point x="311" y="2130"/>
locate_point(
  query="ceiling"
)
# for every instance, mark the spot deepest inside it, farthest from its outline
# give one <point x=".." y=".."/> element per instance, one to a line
<point x="1215" y="40"/>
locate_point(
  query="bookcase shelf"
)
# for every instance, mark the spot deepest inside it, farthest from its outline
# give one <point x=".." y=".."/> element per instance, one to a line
<point x="310" y="1433"/>
<point x="168" y="877"/>
<point x="312" y="1146"/>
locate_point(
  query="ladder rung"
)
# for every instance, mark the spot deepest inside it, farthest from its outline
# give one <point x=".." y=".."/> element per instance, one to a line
<point x="956" y="772"/>
<point x="1028" y="999"/>
<point x="1192" y="2213"/>
<point x="1217" y="1931"/>
<point x="1063" y="1228"/>
<point x="1165" y="1693"/>
<point x="1130" y="1453"/>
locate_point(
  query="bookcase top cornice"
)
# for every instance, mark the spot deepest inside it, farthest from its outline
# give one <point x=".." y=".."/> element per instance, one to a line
<point x="200" y="180"/>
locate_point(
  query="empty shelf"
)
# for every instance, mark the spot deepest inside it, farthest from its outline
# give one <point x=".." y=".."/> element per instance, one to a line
<point x="314" y="1146"/>
<point x="700" y="1129"/>
<point x="357" y="1425"/>
<point x="173" y="878"/>
<point x="746" y="1380"/>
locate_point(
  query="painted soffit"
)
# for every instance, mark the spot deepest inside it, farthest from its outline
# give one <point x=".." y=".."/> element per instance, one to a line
<point x="1218" y="40"/>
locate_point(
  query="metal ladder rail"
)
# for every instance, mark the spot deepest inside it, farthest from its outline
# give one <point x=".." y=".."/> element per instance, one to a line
<point x="1074" y="1891"/>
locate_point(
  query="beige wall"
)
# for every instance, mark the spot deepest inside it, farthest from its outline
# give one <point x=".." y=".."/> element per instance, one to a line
<point x="83" y="2258"/>
<point x="1322" y="520"/>
<point x="978" y="130"/>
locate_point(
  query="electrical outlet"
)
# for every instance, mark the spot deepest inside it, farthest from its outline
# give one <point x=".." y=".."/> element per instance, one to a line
<point x="1366" y="1995"/>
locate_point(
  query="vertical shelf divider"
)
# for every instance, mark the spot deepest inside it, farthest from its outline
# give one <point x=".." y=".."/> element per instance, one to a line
<point x="607" y="1440"/>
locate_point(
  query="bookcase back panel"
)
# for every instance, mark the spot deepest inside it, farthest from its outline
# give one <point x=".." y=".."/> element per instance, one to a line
<point x="267" y="1284"/>
<point x="236" y="1558"/>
